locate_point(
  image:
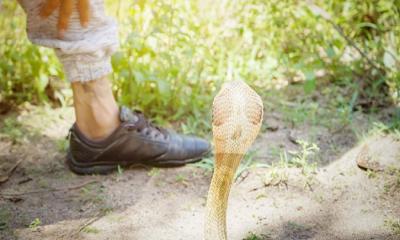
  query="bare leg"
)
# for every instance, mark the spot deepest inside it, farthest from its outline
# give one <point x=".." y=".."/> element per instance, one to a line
<point x="96" y="111"/>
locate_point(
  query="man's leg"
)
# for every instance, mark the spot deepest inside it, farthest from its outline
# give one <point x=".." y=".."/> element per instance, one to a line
<point x="104" y="136"/>
<point x="96" y="111"/>
<point x="85" y="53"/>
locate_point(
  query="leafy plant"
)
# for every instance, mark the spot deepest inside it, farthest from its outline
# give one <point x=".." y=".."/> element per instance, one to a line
<point x="35" y="223"/>
<point x="302" y="158"/>
<point x="25" y="69"/>
<point x="175" y="54"/>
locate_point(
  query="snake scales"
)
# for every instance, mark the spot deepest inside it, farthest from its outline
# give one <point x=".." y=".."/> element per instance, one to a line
<point x="237" y="117"/>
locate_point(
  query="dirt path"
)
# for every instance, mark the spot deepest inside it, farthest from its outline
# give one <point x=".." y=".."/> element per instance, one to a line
<point x="338" y="201"/>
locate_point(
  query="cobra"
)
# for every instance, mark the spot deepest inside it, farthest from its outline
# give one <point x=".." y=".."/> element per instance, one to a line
<point x="237" y="116"/>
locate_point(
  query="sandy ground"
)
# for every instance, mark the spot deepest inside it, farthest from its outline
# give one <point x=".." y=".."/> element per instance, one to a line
<point x="338" y="201"/>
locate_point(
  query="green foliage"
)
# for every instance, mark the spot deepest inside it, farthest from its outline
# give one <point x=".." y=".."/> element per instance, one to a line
<point x="246" y="163"/>
<point x="25" y="69"/>
<point x="89" y="229"/>
<point x="393" y="225"/>
<point x="206" y="164"/>
<point x="252" y="236"/>
<point x="154" y="172"/>
<point x="303" y="157"/>
<point x="35" y="223"/>
<point x="175" y="54"/>
<point x="12" y="130"/>
<point x="62" y="144"/>
<point x="379" y="128"/>
<point x="16" y="130"/>
<point x="5" y="215"/>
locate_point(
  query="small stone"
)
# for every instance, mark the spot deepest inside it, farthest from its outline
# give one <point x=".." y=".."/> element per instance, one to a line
<point x="366" y="162"/>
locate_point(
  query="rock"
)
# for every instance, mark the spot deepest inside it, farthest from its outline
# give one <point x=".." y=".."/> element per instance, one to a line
<point x="379" y="155"/>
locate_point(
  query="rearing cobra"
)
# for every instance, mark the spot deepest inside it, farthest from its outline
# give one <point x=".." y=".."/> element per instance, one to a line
<point x="237" y="117"/>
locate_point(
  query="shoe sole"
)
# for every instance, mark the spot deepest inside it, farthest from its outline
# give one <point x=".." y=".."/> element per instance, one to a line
<point x="111" y="167"/>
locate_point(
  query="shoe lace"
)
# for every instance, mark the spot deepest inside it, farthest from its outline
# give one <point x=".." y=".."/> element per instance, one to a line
<point x="144" y="123"/>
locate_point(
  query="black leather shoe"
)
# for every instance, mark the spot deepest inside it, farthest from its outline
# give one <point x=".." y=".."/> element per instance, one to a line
<point x="135" y="142"/>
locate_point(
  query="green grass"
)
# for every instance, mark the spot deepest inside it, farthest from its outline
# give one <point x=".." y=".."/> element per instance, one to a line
<point x="30" y="123"/>
<point x="12" y="129"/>
<point x="62" y="145"/>
<point x="371" y="174"/>
<point x="206" y="163"/>
<point x="120" y="171"/>
<point x="249" y="161"/>
<point x="35" y="223"/>
<point x="182" y="179"/>
<point x="276" y="176"/>
<point x="154" y="172"/>
<point x="5" y="216"/>
<point x="253" y="236"/>
<point x="303" y="158"/>
<point x="393" y="225"/>
<point x="392" y="180"/>
<point x="91" y="230"/>
<point x="92" y="193"/>
<point x="377" y="127"/>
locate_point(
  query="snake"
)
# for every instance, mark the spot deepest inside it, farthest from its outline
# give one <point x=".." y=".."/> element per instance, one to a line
<point x="237" y="114"/>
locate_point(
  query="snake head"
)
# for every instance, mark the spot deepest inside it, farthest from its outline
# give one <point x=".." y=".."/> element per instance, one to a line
<point x="237" y="117"/>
